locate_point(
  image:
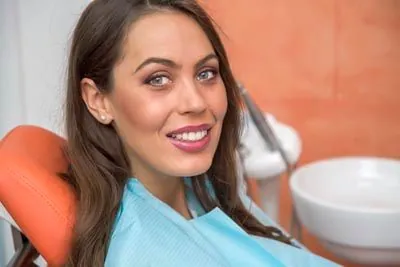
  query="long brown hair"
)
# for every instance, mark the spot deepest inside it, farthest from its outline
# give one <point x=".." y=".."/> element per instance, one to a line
<point x="99" y="166"/>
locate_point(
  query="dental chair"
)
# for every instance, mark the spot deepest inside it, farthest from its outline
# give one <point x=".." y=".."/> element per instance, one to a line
<point x="40" y="204"/>
<point x="36" y="200"/>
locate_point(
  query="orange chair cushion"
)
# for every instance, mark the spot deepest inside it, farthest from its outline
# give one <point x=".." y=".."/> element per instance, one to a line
<point x="41" y="203"/>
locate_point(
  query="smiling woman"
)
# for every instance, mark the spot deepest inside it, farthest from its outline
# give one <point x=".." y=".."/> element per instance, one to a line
<point x="152" y="119"/>
<point x="172" y="96"/>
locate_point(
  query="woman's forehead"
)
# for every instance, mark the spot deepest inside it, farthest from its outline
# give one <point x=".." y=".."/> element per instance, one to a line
<point x="169" y="35"/>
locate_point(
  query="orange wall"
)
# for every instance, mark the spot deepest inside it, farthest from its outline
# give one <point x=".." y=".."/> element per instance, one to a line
<point x="330" y="68"/>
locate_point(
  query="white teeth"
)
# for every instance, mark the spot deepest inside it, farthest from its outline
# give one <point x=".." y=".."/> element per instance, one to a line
<point x="190" y="136"/>
<point x="198" y="135"/>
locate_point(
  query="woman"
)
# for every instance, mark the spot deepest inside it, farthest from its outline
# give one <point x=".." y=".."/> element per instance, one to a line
<point x="152" y="119"/>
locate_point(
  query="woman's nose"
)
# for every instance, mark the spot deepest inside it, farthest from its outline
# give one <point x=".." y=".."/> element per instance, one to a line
<point x="191" y="98"/>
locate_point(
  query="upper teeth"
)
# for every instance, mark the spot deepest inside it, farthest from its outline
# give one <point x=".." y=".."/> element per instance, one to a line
<point x="190" y="136"/>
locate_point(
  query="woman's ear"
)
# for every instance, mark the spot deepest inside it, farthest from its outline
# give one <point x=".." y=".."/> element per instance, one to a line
<point x="96" y="102"/>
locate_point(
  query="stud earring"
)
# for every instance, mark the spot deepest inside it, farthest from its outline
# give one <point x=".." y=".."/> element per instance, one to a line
<point x="103" y="117"/>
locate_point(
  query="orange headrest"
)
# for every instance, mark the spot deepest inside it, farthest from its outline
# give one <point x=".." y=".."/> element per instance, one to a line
<point x="40" y="202"/>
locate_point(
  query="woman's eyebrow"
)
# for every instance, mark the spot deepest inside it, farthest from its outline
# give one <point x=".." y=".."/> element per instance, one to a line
<point x="157" y="60"/>
<point x="171" y="63"/>
<point x="204" y="60"/>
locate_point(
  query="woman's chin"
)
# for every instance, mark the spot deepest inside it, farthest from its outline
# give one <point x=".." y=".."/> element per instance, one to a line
<point x="188" y="168"/>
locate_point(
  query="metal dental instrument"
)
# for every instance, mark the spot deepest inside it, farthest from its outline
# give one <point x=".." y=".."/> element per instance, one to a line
<point x="266" y="131"/>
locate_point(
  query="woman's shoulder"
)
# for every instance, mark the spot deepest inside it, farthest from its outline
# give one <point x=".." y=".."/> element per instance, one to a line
<point x="126" y="230"/>
<point x="134" y="204"/>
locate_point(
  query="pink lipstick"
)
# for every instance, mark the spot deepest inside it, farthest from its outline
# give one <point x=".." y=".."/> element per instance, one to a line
<point x="192" y="138"/>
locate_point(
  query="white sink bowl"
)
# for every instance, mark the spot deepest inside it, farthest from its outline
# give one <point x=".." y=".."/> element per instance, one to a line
<point x="352" y="205"/>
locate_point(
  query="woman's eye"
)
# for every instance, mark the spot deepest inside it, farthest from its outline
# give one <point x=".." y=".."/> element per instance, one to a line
<point x="206" y="75"/>
<point x="159" y="81"/>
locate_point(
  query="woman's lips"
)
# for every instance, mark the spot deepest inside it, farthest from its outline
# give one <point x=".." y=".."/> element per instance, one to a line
<point x="191" y="138"/>
<point x="191" y="146"/>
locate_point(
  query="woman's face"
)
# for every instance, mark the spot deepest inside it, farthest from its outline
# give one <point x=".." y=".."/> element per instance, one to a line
<point x="168" y="101"/>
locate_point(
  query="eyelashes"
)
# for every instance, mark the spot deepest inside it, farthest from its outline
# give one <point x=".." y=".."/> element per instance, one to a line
<point x="207" y="75"/>
<point x="162" y="79"/>
<point x="158" y="80"/>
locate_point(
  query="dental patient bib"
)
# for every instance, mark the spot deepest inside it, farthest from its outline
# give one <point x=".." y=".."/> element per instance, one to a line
<point x="147" y="232"/>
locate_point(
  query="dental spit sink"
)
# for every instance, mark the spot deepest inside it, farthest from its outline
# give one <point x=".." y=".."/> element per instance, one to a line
<point x="352" y="205"/>
<point x="259" y="161"/>
<point x="266" y="165"/>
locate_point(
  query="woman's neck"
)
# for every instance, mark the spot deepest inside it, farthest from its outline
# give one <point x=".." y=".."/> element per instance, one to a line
<point x="170" y="190"/>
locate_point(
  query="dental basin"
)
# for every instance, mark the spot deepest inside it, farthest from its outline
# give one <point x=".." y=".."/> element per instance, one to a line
<point x="265" y="165"/>
<point x="352" y="205"/>
<point x="259" y="161"/>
